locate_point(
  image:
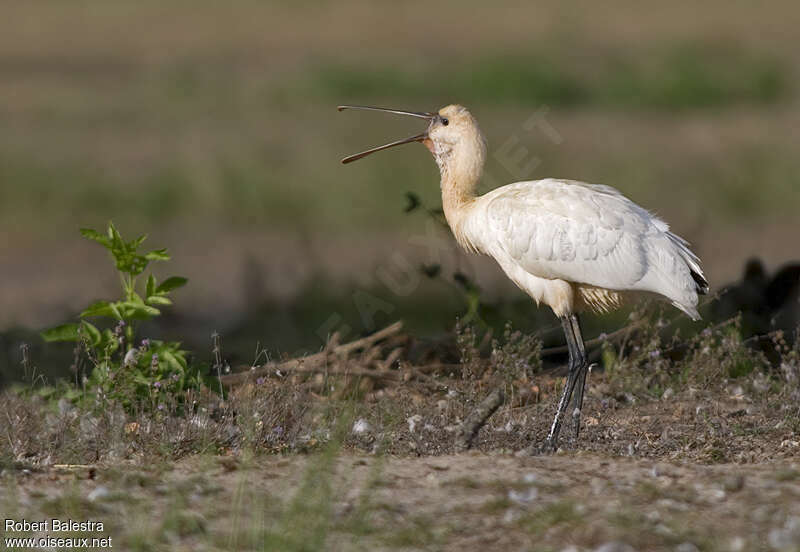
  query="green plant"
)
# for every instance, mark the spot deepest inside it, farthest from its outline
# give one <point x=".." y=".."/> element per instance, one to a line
<point x="123" y="369"/>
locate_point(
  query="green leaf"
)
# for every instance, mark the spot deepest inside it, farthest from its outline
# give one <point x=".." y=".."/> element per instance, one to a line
<point x="98" y="308"/>
<point x="174" y="362"/>
<point x="109" y="339"/>
<point x="94" y="235"/>
<point x="46" y="392"/>
<point x="151" y="286"/>
<point x="92" y="333"/>
<point x="159" y="300"/>
<point x="171" y="283"/>
<point x="116" y="311"/>
<point x="157" y="255"/>
<point x="139" y="310"/>
<point x="142" y="380"/>
<point x="64" y="332"/>
<point x="138" y="241"/>
<point x="72" y="394"/>
<point x="113" y="233"/>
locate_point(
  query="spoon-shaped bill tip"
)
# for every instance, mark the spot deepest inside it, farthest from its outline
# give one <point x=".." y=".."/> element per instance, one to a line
<point x="357" y="156"/>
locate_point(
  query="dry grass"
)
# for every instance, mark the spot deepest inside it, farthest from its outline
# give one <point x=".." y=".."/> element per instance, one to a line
<point x="683" y="440"/>
<point x="710" y="386"/>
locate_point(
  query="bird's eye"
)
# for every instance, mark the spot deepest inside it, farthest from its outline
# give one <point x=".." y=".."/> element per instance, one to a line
<point x="445" y="122"/>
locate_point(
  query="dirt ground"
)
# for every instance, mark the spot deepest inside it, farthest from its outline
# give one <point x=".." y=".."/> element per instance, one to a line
<point x="687" y="471"/>
<point x="475" y="501"/>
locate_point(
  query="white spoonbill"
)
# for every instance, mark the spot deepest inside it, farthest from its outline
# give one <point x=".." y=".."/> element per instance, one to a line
<point x="570" y="245"/>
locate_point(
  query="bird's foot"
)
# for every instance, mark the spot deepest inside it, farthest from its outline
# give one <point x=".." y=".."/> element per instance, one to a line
<point x="541" y="449"/>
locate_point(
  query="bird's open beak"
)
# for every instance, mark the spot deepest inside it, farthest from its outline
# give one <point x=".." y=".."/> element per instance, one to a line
<point x="417" y="138"/>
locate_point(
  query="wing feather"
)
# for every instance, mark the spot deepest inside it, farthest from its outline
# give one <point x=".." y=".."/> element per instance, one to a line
<point x="589" y="234"/>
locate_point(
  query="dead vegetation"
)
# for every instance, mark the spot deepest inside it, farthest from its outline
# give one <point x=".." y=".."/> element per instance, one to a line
<point x="708" y="397"/>
<point x="684" y="440"/>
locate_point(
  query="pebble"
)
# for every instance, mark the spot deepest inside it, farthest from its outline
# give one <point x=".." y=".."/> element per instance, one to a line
<point x="530" y="478"/>
<point x="737" y="544"/>
<point x="413" y="421"/>
<point x="523" y="497"/>
<point x="99" y="493"/>
<point x="786" y="537"/>
<point x="615" y="546"/>
<point x="361" y="426"/>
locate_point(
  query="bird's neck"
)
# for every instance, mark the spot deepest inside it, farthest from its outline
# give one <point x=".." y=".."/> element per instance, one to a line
<point x="461" y="170"/>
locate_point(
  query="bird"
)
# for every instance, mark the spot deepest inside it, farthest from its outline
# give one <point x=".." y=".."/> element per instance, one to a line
<point x="569" y="245"/>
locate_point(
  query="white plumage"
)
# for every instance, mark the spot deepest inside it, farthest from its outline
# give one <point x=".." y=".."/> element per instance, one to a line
<point x="567" y="244"/>
<point x="545" y="232"/>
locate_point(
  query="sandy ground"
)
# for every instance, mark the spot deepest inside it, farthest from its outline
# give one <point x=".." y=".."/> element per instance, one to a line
<point x="689" y="471"/>
<point x="476" y="501"/>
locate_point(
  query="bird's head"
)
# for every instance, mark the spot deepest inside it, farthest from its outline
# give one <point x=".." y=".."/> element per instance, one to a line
<point x="452" y="137"/>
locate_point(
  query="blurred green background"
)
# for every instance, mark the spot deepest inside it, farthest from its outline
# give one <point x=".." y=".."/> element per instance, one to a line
<point x="212" y="126"/>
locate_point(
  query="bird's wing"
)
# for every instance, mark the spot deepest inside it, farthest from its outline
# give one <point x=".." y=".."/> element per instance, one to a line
<point x="577" y="232"/>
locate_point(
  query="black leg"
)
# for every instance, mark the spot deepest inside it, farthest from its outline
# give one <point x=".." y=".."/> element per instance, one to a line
<point x="575" y="375"/>
<point x="578" y="401"/>
<point x="580" y="385"/>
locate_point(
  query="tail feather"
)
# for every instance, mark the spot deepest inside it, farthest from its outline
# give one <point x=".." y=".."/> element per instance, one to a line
<point x="692" y="261"/>
<point x="690" y="311"/>
<point x="702" y="284"/>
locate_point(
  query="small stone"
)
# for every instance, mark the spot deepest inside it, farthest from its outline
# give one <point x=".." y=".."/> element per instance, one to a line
<point x="615" y="546"/>
<point x="523" y="497"/>
<point x="686" y="547"/>
<point x="361" y="426"/>
<point x="737" y="393"/>
<point x="413" y="421"/>
<point x="737" y="544"/>
<point x="99" y="493"/>
<point x="669" y="392"/>
<point x="530" y="478"/>
<point x="786" y="537"/>
<point x="661" y="470"/>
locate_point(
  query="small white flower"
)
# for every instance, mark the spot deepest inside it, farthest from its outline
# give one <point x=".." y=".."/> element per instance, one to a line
<point x="130" y="357"/>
